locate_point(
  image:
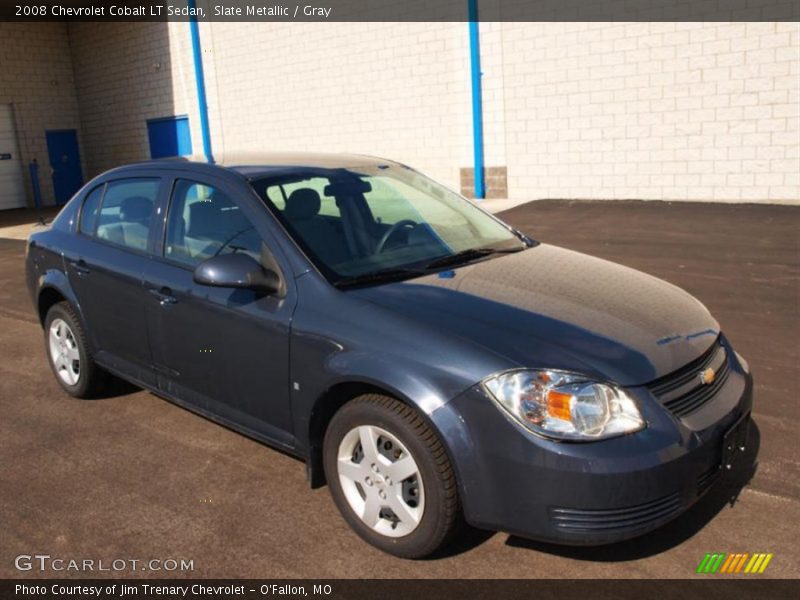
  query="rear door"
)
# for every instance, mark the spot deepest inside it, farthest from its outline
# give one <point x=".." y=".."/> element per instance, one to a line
<point x="223" y="350"/>
<point x="106" y="267"/>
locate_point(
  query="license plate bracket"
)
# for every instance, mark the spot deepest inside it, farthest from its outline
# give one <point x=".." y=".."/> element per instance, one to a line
<point x="734" y="442"/>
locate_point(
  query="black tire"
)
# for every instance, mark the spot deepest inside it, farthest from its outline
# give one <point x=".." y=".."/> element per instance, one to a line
<point x="91" y="378"/>
<point x="441" y="515"/>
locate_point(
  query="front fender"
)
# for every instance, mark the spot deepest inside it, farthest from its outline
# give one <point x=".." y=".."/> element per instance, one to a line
<point x="338" y="338"/>
<point x="346" y="374"/>
<point x="418" y="385"/>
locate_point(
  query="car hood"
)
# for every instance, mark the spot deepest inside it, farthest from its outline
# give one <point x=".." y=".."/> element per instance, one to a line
<point x="548" y="307"/>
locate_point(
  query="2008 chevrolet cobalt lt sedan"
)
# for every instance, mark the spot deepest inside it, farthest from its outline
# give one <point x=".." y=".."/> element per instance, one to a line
<point x="426" y="360"/>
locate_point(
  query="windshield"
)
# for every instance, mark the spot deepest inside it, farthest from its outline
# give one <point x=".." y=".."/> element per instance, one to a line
<point x="355" y="223"/>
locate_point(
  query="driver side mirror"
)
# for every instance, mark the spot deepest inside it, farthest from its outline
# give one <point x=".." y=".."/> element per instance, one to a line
<point x="237" y="271"/>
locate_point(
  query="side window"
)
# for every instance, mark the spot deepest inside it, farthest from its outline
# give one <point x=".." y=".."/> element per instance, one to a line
<point x="204" y="222"/>
<point x="90" y="209"/>
<point x="127" y="212"/>
<point x="275" y="195"/>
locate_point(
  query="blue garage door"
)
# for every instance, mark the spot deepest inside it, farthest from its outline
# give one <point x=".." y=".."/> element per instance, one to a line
<point x="169" y="136"/>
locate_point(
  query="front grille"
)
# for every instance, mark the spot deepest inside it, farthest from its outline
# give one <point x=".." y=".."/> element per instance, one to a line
<point x="577" y="520"/>
<point x="682" y="392"/>
<point x="707" y="479"/>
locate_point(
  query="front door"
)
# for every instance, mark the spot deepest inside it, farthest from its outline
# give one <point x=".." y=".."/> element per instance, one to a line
<point x="65" y="162"/>
<point x="223" y="350"/>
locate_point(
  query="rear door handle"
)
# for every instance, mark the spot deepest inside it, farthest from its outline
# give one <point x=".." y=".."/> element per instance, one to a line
<point x="164" y="296"/>
<point x="80" y="267"/>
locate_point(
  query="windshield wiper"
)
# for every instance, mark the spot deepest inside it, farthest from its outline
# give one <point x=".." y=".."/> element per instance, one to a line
<point x="379" y="276"/>
<point x="465" y="256"/>
<point x="399" y="274"/>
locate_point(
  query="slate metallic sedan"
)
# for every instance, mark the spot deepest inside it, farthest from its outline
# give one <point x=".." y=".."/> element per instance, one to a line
<point x="429" y="362"/>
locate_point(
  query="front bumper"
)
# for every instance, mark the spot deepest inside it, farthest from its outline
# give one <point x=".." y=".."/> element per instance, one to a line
<point x="588" y="493"/>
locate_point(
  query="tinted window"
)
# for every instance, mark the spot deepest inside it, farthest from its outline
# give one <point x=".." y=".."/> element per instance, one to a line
<point x="90" y="209"/>
<point x="391" y="201"/>
<point x="327" y="205"/>
<point x="275" y="195"/>
<point x="127" y="212"/>
<point x="354" y="222"/>
<point x="204" y="222"/>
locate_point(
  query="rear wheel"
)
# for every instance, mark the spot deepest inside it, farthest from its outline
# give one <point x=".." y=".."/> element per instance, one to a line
<point x="68" y="353"/>
<point x="390" y="476"/>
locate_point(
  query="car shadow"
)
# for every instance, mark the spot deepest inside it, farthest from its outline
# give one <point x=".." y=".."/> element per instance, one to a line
<point x="115" y="387"/>
<point x="465" y="540"/>
<point x="724" y="493"/>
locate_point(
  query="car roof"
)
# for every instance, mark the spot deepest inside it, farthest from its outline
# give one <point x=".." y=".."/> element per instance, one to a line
<point x="253" y="165"/>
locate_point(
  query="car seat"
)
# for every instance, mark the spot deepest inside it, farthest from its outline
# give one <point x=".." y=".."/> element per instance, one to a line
<point x="302" y="212"/>
<point x="133" y="226"/>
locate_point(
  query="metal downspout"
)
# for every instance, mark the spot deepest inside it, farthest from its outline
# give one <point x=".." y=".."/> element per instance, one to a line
<point x="477" y="99"/>
<point x="200" y="82"/>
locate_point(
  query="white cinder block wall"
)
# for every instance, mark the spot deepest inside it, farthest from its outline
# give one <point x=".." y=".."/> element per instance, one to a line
<point x="36" y="79"/>
<point x="657" y="111"/>
<point x="125" y="74"/>
<point x="399" y="90"/>
<point x="668" y="111"/>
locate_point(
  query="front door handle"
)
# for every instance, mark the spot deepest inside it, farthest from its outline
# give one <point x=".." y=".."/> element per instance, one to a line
<point x="164" y="296"/>
<point x="80" y="266"/>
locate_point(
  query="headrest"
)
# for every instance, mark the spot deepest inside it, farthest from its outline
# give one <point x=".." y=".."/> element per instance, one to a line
<point x="347" y="187"/>
<point x="135" y="208"/>
<point x="302" y="204"/>
<point x="203" y="219"/>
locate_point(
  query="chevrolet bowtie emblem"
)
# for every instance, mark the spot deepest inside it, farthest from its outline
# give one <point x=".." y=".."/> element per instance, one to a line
<point x="707" y="376"/>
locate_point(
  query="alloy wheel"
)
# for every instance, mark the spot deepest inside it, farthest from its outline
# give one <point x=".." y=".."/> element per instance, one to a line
<point x="64" y="352"/>
<point x="381" y="480"/>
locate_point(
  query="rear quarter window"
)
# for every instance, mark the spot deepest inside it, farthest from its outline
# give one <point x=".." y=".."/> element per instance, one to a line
<point x="275" y="195"/>
<point x="66" y="218"/>
<point x="90" y="209"/>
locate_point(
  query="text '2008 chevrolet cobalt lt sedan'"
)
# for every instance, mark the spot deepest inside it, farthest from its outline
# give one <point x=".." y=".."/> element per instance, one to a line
<point x="425" y="359"/>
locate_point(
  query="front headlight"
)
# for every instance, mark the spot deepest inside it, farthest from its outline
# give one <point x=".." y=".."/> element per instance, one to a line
<point x="565" y="406"/>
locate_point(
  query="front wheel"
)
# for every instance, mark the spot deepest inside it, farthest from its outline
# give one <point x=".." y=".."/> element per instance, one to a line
<point x="390" y="476"/>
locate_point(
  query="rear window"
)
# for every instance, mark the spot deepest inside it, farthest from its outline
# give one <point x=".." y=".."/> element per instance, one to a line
<point x="126" y="213"/>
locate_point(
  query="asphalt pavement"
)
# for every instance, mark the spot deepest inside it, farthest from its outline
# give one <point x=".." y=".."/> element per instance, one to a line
<point x="131" y="476"/>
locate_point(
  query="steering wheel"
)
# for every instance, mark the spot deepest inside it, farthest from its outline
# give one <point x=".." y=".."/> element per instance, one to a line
<point x="391" y="231"/>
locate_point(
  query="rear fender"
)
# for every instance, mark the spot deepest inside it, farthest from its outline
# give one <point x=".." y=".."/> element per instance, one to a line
<point x="55" y="280"/>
